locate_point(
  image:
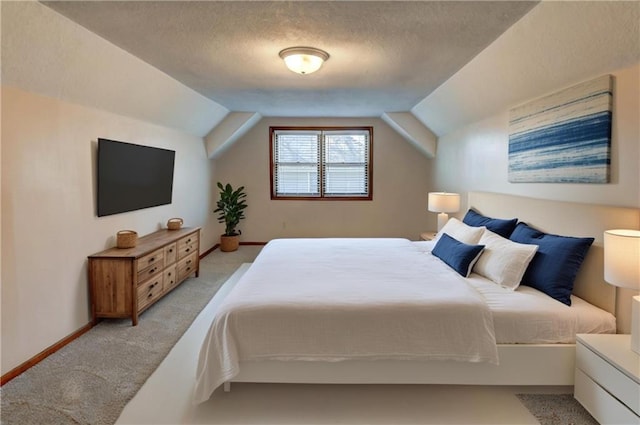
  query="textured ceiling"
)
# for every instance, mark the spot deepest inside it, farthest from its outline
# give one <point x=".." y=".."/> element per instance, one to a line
<point x="385" y="56"/>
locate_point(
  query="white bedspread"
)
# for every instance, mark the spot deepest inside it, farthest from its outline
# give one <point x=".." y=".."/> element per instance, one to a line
<point x="528" y="316"/>
<point x="339" y="299"/>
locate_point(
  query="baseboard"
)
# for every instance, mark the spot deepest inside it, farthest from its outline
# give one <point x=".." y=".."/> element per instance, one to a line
<point x="216" y="246"/>
<point x="66" y="340"/>
<point x="209" y="251"/>
<point x="44" y="354"/>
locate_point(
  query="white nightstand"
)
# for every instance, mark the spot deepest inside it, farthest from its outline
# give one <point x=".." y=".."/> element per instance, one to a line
<point x="607" y="381"/>
<point x="428" y="236"/>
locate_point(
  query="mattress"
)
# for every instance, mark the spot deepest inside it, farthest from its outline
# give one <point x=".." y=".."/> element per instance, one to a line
<point x="528" y="316"/>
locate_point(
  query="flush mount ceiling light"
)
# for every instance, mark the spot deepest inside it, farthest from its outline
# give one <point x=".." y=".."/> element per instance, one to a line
<point x="304" y="60"/>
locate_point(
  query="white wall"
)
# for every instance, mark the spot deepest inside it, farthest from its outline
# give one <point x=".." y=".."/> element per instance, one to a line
<point x="556" y="44"/>
<point x="49" y="224"/>
<point x="45" y="52"/>
<point x="475" y="157"/>
<point x="400" y="186"/>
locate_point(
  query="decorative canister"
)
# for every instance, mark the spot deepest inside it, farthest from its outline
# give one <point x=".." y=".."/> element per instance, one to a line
<point x="174" y="223"/>
<point x="126" y="239"/>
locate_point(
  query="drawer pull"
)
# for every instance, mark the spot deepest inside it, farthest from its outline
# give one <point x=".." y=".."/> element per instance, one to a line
<point x="189" y="240"/>
<point x="187" y="250"/>
<point x="171" y="250"/>
<point x="169" y="274"/>
<point x="150" y="295"/>
<point x="188" y="268"/>
<point x="153" y="270"/>
<point x="152" y="259"/>
<point x="189" y="262"/>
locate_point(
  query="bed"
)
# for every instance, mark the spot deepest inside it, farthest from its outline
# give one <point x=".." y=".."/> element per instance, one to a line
<point x="385" y="310"/>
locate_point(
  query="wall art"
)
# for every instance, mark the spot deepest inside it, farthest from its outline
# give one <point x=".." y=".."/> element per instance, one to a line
<point x="564" y="137"/>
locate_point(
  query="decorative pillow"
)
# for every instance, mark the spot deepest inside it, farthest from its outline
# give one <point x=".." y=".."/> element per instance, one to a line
<point x="503" y="261"/>
<point x="461" y="232"/>
<point x="457" y="255"/>
<point x="555" y="266"/>
<point x="497" y="225"/>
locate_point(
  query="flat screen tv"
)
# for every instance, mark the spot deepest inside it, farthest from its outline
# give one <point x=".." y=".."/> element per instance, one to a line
<point x="133" y="177"/>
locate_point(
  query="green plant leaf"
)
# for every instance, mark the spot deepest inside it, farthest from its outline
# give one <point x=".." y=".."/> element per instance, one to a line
<point x="230" y="207"/>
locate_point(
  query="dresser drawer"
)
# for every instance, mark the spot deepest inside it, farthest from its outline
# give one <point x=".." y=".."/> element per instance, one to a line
<point x="187" y="265"/>
<point x="170" y="277"/>
<point x="150" y="264"/>
<point x="170" y="254"/>
<point x="188" y="245"/>
<point x="150" y="290"/>
<point x="608" y="377"/>
<point x="604" y="407"/>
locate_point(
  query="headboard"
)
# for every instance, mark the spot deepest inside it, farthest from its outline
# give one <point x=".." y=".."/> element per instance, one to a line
<point x="571" y="219"/>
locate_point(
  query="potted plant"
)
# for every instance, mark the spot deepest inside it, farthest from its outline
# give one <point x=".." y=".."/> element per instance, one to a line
<point x="231" y="207"/>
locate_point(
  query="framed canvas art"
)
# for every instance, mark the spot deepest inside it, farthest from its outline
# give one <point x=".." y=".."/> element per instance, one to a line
<point x="564" y="137"/>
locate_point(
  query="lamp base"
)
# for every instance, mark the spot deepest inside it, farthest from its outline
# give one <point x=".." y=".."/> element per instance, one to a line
<point x="442" y="220"/>
<point x="635" y="324"/>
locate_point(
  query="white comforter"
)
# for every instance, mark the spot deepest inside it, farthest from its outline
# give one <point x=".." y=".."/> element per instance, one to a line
<point x="340" y="299"/>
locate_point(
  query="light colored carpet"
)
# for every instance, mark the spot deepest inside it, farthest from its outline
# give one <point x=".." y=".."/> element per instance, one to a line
<point x="556" y="409"/>
<point x="90" y="380"/>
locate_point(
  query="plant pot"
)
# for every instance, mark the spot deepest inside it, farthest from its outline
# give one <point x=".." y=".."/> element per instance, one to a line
<point x="229" y="243"/>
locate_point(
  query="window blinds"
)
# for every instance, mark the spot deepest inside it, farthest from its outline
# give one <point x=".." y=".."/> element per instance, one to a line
<point x="297" y="163"/>
<point x="322" y="163"/>
<point x="345" y="163"/>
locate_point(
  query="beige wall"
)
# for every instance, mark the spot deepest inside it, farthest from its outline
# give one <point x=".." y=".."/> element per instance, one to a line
<point x="400" y="189"/>
<point x="49" y="224"/>
<point x="475" y="157"/>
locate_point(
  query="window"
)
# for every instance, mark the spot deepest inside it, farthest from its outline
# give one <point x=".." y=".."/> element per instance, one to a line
<point x="321" y="163"/>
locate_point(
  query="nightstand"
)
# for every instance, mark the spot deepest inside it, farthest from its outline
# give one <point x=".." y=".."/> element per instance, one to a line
<point x="607" y="380"/>
<point x="428" y="236"/>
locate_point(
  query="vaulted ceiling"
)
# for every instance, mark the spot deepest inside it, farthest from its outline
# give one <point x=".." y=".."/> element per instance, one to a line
<point x="385" y="56"/>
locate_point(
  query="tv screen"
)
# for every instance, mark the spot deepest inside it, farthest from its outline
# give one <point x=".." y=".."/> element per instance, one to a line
<point x="132" y="177"/>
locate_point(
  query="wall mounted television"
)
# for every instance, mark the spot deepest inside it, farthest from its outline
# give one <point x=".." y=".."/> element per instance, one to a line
<point x="132" y="177"/>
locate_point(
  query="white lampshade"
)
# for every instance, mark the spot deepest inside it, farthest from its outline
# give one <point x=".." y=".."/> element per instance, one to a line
<point x="622" y="258"/>
<point x="622" y="268"/>
<point x="443" y="202"/>
<point x="303" y="60"/>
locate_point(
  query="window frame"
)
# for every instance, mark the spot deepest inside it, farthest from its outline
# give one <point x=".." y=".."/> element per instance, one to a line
<point x="322" y="196"/>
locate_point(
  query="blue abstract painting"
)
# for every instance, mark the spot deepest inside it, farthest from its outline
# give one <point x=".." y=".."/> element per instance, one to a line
<point x="564" y="137"/>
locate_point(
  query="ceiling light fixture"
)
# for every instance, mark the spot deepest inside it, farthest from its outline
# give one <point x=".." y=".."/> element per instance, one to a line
<point x="303" y="60"/>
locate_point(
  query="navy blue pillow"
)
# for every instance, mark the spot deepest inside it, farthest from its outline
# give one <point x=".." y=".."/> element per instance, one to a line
<point x="556" y="263"/>
<point x="503" y="227"/>
<point x="457" y="255"/>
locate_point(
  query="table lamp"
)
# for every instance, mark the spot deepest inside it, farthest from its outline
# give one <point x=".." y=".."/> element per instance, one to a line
<point x="443" y="203"/>
<point x="622" y="269"/>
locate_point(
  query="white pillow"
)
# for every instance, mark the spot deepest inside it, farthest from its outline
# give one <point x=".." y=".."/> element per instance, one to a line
<point x="503" y="261"/>
<point x="461" y="232"/>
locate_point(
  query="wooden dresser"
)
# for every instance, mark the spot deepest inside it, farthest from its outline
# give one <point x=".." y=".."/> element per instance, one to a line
<point x="125" y="282"/>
